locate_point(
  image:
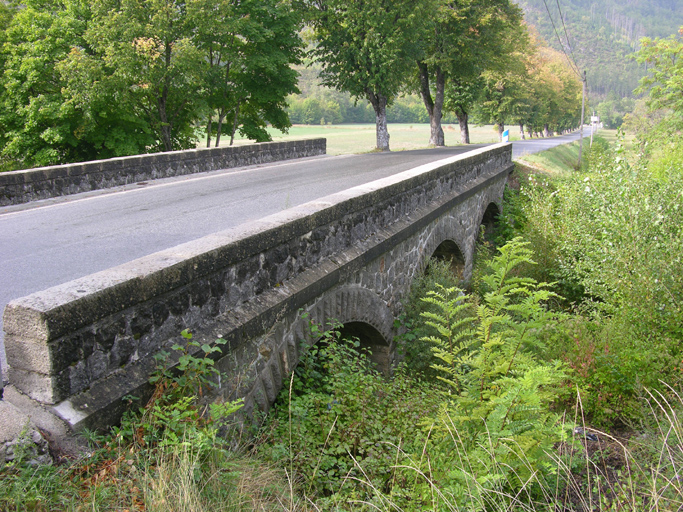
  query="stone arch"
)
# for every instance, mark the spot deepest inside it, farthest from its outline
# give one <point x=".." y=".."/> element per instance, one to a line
<point x="491" y="213"/>
<point x="448" y="239"/>
<point x="487" y="223"/>
<point x="281" y="350"/>
<point x="355" y="304"/>
<point x="448" y="250"/>
<point x="370" y="338"/>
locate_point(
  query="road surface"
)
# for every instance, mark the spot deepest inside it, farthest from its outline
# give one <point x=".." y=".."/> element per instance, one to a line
<point x="529" y="146"/>
<point x="46" y="243"/>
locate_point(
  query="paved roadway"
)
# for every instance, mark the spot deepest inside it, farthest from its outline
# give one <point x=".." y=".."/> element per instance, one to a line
<point x="49" y="242"/>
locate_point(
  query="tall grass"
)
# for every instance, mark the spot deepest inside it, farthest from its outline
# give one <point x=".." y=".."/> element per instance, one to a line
<point x="640" y="474"/>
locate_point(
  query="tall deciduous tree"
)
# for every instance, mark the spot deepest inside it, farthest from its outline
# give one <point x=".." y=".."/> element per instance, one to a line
<point x="366" y="49"/>
<point x="551" y="101"/>
<point x="461" y="40"/>
<point x="150" y="52"/>
<point x="85" y="80"/>
<point x="250" y="46"/>
<point x="461" y="95"/>
<point x="39" y="129"/>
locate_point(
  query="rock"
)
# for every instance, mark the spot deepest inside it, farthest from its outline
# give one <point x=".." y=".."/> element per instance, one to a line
<point x="587" y="435"/>
<point x="20" y="439"/>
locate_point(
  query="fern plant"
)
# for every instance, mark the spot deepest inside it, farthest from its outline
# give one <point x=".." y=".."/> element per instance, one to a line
<point x="500" y="390"/>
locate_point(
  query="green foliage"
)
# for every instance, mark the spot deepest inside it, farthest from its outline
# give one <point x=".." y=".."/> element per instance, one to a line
<point x="499" y="390"/>
<point x="613" y="109"/>
<point x="87" y="80"/>
<point x="39" y="128"/>
<point x="416" y="351"/>
<point x="168" y="450"/>
<point x="603" y="36"/>
<point x="334" y="107"/>
<point x="365" y="49"/>
<point x="250" y="47"/>
<point x="26" y="486"/>
<point x="611" y="238"/>
<point x="663" y="84"/>
<point x="176" y="413"/>
<point x="343" y="421"/>
<point x="459" y="41"/>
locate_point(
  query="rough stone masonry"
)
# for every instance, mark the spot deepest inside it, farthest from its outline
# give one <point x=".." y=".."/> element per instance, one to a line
<point x="18" y="187"/>
<point x="82" y="346"/>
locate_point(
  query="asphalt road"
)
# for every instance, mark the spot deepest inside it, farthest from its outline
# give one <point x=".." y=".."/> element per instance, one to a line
<point x="46" y="243"/>
<point x="526" y="147"/>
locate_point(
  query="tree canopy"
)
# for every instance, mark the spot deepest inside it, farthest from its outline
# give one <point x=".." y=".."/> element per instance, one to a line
<point x="366" y="49"/>
<point x="85" y="80"/>
<point x="460" y="41"/>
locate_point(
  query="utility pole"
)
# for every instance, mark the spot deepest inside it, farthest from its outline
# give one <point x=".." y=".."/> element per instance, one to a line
<point x="583" y="110"/>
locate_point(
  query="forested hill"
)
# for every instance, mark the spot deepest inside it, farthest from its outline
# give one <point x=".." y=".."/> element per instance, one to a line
<point x="604" y="33"/>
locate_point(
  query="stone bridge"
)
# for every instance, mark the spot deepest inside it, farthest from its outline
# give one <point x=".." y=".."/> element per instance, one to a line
<point x="82" y="346"/>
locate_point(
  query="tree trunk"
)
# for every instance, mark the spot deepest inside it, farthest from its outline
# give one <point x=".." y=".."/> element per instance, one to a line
<point x="434" y="106"/>
<point x="464" y="126"/>
<point x="208" y="131"/>
<point x="222" y="113"/>
<point x="521" y="130"/>
<point x="221" y="116"/>
<point x="547" y="131"/>
<point x="501" y="129"/>
<point x="166" y="131"/>
<point x="379" y="104"/>
<point x="531" y="133"/>
<point x="166" y="136"/>
<point x="234" y="122"/>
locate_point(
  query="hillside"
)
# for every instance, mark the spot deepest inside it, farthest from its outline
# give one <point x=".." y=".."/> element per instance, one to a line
<point x="603" y="34"/>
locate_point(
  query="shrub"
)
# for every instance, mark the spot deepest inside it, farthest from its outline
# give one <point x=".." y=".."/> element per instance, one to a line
<point x="613" y="238"/>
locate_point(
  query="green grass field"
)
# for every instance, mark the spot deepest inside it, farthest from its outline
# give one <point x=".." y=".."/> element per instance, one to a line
<point x="345" y="139"/>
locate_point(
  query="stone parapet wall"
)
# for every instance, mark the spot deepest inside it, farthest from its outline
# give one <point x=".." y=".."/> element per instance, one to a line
<point x="18" y="187"/>
<point x="83" y="345"/>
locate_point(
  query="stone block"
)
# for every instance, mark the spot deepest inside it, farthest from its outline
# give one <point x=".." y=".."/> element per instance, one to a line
<point x="43" y="388"/>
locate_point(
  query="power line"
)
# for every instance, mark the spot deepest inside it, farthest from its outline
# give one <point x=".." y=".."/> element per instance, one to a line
<point x="572" y="65"/>
<point x="571" y="48"/>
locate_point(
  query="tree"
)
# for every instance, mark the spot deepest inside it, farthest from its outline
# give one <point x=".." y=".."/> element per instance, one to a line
<point x="461" y="40"/>
<point x="250" y="46"/>
<point x="150" y="55"/>
<point x="86" y="80"/>
<point x="6" y="14"/>
<point x="500" y="95"/>
<point x="553" y="99"/>
<point x="39" y="129"/>
<point x="664" y="84"/>
<point x="366" y="49"/>
<point x="461" y="95"/>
